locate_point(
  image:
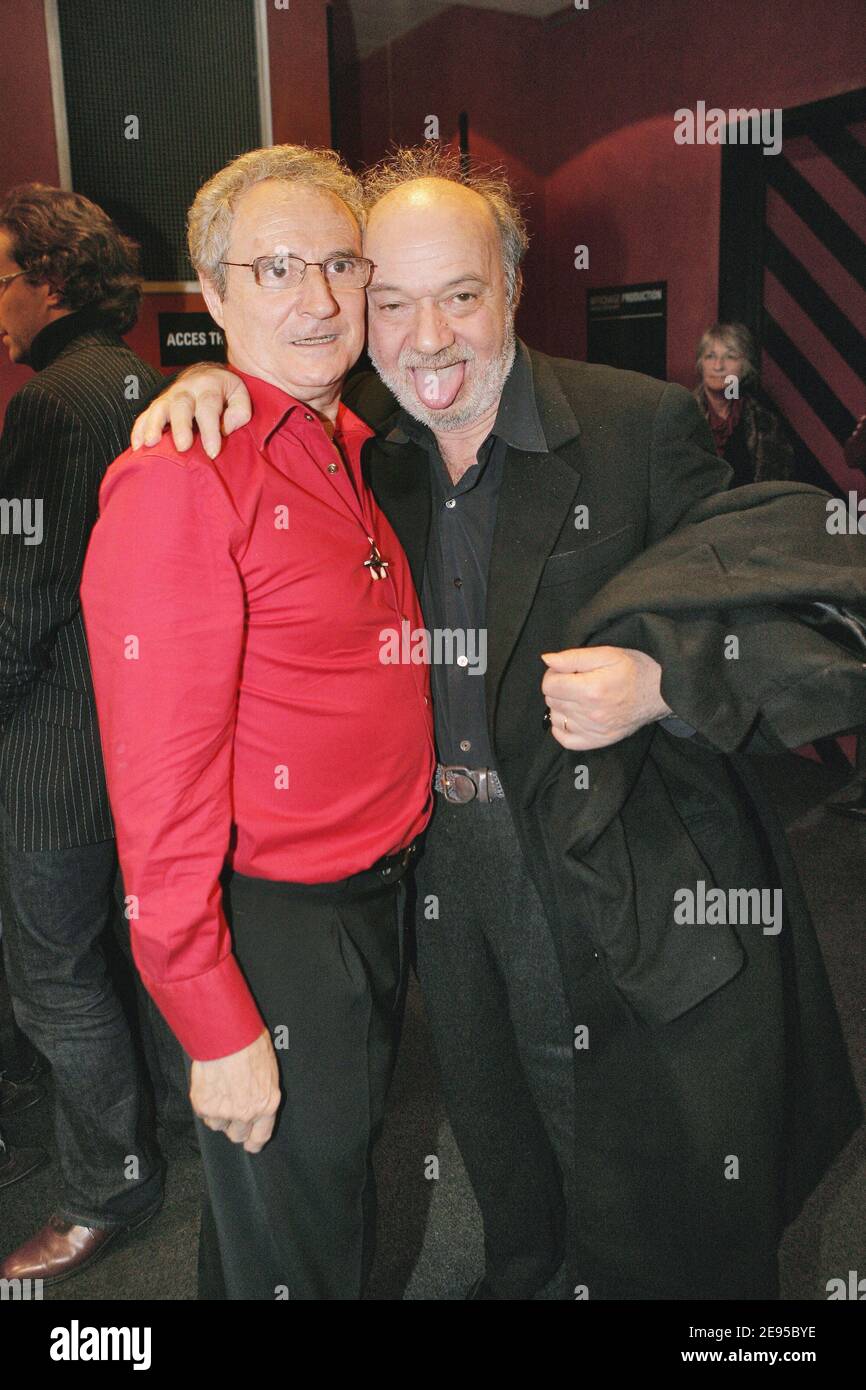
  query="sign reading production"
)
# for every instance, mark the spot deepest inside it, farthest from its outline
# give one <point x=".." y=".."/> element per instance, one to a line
<point x="627" y="327"/>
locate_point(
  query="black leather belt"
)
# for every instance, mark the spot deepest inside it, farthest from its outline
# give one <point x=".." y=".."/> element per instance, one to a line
<point x="462" y="784"/>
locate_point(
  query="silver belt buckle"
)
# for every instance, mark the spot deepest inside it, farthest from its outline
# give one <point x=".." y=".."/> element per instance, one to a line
<point x="483" y="784"/>
<point x="463" y="784"/>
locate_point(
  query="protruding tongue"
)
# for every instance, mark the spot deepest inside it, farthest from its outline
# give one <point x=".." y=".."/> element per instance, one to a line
<point x="437" y="389"/>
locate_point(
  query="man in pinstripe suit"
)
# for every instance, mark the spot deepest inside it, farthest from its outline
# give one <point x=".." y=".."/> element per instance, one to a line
<point x="68" y="288"/>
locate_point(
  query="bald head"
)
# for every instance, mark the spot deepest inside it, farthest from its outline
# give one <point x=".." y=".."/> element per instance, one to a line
<point x="434" y="211"/>
<point x="428" y="168"/>
<point x="432" y="197"/>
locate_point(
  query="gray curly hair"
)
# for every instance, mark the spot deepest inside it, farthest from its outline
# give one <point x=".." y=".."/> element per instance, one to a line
<point x="209" y="221"/>
<point x="433" y="161"/>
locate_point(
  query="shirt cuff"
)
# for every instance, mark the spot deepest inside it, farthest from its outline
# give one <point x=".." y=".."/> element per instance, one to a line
<point x="211" y="1015"/>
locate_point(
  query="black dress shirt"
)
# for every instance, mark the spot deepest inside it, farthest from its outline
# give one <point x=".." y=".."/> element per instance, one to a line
<point x="454" y="590"/>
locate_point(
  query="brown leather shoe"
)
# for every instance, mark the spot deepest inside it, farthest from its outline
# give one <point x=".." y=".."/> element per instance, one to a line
<point x="60" y="1249"/>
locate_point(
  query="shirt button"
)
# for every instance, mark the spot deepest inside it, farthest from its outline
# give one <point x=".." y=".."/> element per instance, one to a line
<point x="451" y="502"/>
<point x="332" y="467"/>
<point x="465" y="745"/>
<point x="463" y="661"/>
<point x="308" y="417"/>
<point x="458" y="583"/>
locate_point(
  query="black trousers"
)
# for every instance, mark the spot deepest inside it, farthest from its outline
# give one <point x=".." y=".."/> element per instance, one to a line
<point x="678" y="1132"/>
<point x="325" y="965"/>
<point x="503" y="1037"/>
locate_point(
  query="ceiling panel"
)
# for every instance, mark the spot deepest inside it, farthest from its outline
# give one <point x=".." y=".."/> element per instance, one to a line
<point x="377" y="21"/>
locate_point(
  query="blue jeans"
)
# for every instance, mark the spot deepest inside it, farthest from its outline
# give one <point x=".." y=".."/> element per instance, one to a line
<point x="56" y="905"/>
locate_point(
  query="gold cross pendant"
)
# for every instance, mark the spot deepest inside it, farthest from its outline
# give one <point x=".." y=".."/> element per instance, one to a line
<point x="375" y="563"/>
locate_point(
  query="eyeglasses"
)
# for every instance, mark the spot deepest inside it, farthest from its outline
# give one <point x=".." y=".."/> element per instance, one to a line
<point x="7" y="279"/>
<point x="286" y="272"/>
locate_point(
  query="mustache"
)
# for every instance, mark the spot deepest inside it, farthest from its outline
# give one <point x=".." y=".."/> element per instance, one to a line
<point x="447" y="357"/>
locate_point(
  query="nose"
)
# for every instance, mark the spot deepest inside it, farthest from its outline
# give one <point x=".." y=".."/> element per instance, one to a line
<point x="432" y="331"/>
<point x="315" y="296"/>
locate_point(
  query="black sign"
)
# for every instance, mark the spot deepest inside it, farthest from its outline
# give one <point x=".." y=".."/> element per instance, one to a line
<point x="627" y="327"/>
<point x="187" y="338"/>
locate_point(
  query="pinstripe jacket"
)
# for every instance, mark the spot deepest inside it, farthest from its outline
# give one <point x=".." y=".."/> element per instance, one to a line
<point x="63" y="428"/>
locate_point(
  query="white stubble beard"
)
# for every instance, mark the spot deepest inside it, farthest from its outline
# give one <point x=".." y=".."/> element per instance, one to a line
<point x="485" y="391"/>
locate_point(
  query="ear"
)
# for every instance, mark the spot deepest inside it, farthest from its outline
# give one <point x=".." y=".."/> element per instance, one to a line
<point x="212" y="300"/>
<point x="53" y="299"/>
<point x="518" y="289"/>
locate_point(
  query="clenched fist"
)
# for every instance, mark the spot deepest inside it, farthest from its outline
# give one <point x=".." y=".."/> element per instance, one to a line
<point x="599" y="695"/>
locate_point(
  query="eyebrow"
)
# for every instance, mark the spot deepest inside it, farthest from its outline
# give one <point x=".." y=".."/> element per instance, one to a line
<point x="274" y="255"/>
<point x="459" y="280"/>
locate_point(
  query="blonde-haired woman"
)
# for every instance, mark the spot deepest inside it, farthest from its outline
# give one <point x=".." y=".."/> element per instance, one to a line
<point x="748" y="433"/>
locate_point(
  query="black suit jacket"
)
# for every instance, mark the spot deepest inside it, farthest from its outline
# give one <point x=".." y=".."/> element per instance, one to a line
<point x="660" y="811"/>
<point x="62" y="430"/>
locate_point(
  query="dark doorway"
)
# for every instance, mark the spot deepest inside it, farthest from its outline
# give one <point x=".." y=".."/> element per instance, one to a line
<point x="792" y="266"/>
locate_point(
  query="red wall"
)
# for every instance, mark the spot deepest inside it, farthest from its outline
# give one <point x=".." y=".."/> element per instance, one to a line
<point x="581" y="113"/>
<point x="478" y="60"/>
<point x="297" y="42"/>
<point x="648" y="208"/>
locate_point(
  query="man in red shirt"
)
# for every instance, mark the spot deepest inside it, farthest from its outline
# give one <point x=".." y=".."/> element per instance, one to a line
<point x="268" y="770"/>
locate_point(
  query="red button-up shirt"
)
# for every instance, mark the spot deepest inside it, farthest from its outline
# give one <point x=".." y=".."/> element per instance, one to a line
<point x="235" y="637"/>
